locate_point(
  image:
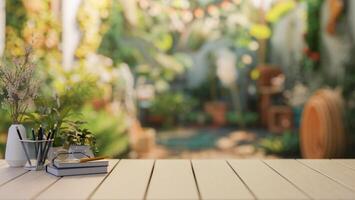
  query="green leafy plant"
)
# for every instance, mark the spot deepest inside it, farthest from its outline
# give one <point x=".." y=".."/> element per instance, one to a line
<point x="286" y="144"/>
<point x="247" y="118"/>
<point x="197" y="117"/>
<point x="171" y="105"/>
<point x="80" y="136"/>
<point x="109" y="129"/>
<point x="313" y="35"/>
<point x="61" y="110"/>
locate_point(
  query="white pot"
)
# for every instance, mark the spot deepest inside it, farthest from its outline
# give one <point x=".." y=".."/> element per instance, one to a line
<point x="14" y="154"/>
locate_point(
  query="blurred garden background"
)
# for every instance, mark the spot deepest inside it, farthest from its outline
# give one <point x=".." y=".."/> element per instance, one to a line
<point x="190" y="79"/>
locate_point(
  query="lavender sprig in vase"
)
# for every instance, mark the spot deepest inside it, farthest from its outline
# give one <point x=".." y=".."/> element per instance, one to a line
<point x="18" y="89"/>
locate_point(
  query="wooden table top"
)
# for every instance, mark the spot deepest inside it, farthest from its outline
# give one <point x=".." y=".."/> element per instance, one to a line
<point x="190" y="179"/>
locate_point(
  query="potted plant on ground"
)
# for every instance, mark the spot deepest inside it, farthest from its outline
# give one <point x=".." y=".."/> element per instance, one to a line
<point x="171" y="107"/>
<point x="18" y="89"/>
<point x="227" y="74"/>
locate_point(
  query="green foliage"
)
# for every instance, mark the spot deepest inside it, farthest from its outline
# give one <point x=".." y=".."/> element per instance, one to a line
<point x="79" y="136"/>
<point x="196" y="40"/>
<point x="60" y="110"/>
<point x="349" y="93"/>
<point x="169" y="105"/>
<point x="15" y="15"/>
<point x="313" y="24"/>
<point x="109" y="130"/>
<point x="285" y="145"/>
<point x="313" y="35"/>
<point x="113" y="44"/>
<point x="248" y="118"/>
<point x="197" y="117"/>
<point x="4" y="125"/>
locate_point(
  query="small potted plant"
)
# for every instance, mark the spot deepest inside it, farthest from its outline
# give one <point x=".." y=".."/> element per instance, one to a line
<point x="18" y="89"/>
<point x="80" y="140"/>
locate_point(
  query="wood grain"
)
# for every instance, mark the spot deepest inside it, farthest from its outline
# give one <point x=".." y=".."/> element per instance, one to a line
<point x="172" y="179"/>
<point x="185" y="179"/>
<point x="8" y="173"/>
<point x="216" y="180"/>
<point x="347" y="162"/>
<point x="334" y="170"/>
<point x="264" y="182"/>
<point x="75" y="187"/>
<point x="315" y="184"/>
<point x="27" y="186"/>
<point x="129" y="180"/>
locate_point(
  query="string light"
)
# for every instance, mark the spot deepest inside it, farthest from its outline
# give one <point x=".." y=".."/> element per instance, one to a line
<point x="199" y="13"/>
<point x="226" y="5"/>
<point x="182" y="6"/>
<point x="212" y="10"/>
<point x="237" y="1"/>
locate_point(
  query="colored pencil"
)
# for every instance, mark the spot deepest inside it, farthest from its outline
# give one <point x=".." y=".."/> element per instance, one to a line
<point x="23" y="146"/>
<point x="34" y="139"/>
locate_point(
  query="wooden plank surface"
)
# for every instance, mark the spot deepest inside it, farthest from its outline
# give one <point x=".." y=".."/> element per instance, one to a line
<point x="216" y="180"/>
<point x="75" y="187"/>
<point x="7" y="174"/>
<point x="347" y="162"/>
<point x="129" y="180"/>
<point x="185" y="179"/>
<point x="334" y="170"/>
<point x="315" y="184"/>
<point x="264" y="182"/>
<point x="27" y="186"/>
<point x="172" y="179"/>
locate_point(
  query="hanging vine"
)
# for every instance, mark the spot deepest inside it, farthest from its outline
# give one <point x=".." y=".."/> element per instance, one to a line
<point x="313" y="35"/>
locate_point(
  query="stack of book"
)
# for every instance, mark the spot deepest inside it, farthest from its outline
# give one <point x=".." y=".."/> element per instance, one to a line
<point x="58" y="168"/>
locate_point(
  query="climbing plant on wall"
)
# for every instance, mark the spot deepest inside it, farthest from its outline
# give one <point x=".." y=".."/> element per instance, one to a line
<point x="34" y="23"/>
<point x="143" y="40"/>
<point x="16" y="17"/>
<point x="113" y="42"/>
<point x="91" y="18"/>
<point x="312" y="37"/>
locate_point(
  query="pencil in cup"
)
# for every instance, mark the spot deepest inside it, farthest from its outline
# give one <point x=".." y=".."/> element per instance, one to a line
<point x="36" y="159"/>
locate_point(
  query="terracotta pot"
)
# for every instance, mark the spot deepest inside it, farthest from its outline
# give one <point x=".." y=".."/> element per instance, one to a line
<point x="155" y="119"/>
<point x="217" y="110"/>
<point x="322" y="129"/>
<point x="142" y="140"/>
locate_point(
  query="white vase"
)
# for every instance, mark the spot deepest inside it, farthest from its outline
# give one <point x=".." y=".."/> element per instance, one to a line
<point x="14" y="154"/>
